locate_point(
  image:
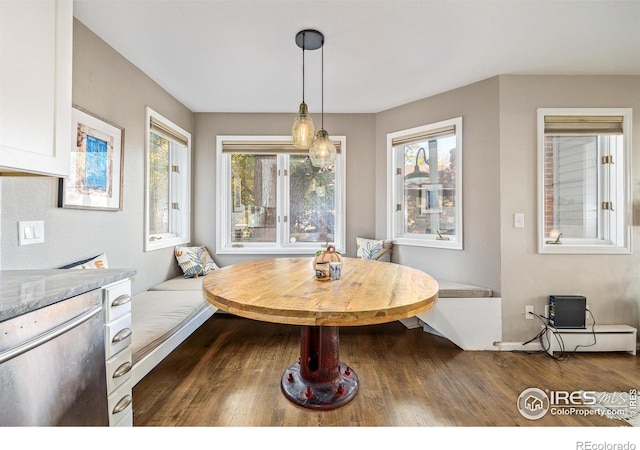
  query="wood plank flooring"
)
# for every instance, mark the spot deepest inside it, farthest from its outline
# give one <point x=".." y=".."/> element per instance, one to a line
<point x="228" y="374"/>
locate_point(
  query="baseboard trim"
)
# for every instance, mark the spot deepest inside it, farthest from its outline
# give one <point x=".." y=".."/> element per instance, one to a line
<point x="529" y="347"/>
<point x="518" y="346"/>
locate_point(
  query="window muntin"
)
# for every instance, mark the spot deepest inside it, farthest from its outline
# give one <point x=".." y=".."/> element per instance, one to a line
<point x="426" y="194"/>
<point x="167" y="199"/>
<point x="274" y="201"/>
<point x="584" y="170"/>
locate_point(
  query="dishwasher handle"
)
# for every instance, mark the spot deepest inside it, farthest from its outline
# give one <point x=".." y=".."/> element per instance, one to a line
<point x="49" y="335"/>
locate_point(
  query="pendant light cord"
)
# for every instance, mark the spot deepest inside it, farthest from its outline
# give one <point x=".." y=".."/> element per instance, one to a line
<point x="322" y="91"/>
<point x="303" y="45"/>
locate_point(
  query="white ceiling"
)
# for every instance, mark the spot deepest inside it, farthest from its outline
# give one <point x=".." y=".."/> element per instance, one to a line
<point x="241" y="56"/>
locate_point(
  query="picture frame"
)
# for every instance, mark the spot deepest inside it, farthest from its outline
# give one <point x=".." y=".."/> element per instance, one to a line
<point x="96" y="164"/>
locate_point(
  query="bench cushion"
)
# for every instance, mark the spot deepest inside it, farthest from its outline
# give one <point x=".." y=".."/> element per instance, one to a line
<point x="156" y="315"/>
<point x="452" y="289"/>
<point x="179" y="283"/>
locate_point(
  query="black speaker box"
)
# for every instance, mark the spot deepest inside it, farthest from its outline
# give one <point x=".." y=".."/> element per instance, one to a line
<point x="567" y="311"/>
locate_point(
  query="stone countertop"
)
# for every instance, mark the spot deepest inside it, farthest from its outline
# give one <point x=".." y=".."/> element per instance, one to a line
<point x="23" y="291"/>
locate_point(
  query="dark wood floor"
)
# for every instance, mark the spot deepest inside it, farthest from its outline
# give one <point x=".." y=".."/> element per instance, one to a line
<point x="228" y="374"/>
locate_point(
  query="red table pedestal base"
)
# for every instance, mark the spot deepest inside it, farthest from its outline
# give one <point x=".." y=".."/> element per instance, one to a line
<point x="319" y="380"/>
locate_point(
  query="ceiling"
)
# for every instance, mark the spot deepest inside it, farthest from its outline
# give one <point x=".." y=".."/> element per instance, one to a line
<point x="241" y="55"/>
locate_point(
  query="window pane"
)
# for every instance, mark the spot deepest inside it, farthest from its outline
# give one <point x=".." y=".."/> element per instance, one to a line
<point x="158" y="185"/>
<point x="583" y="180"/>
<point x="312" y="201"/>
<point x="253" y="198"/>
<point x="571" y="186"/>
<point x="429" y="187"/>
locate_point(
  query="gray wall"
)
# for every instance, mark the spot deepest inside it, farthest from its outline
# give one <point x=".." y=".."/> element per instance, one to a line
<point x="360" y="163"/>
<point x="500" y="179"/>
<point x="110" y="87"/>
<point x="611" y="283"/>
<point x="478" y="104"/>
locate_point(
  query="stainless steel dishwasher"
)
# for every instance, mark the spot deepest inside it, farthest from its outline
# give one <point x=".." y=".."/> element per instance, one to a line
<point x="52" y="365"/>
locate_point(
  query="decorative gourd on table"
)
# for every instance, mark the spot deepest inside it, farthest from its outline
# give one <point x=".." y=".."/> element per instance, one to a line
<point x="322" y="260"/>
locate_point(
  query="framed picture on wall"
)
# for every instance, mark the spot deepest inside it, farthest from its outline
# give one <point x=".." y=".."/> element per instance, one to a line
<point x="96" y="163"/>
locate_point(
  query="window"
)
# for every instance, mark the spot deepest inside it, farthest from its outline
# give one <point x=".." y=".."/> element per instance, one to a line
<point x="168" y="182"/>
<point x="584" y="195"/>
<point x="425" y="185"/>
<point x="272" y="200"/>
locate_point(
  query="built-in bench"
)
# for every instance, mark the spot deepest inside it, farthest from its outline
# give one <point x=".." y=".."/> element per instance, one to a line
<point x="162" y="318"/>
<point x="469" y="316"/>
<point x="165" y="315"/>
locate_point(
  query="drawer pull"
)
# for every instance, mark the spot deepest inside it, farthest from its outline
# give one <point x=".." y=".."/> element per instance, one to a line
<point x="121" y="300"/>
<point x="122" y="370"/>
<point x="122" y="404"/>
<point x="121" y="335"/>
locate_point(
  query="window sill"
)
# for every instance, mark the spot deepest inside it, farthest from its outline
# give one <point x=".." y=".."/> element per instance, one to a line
<point x="450" y="243"/>
<point x="257" y="249"/>
<point x="164" y="243"/>
<point x="574" y="249"/>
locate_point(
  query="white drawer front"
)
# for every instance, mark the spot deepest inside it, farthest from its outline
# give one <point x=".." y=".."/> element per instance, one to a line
<point x="117" y="335"/>
<point x="120" y="403"/>
<point x="117" y="300"/>
<point x="126" y="421"/>
<point x="119" y="370"/>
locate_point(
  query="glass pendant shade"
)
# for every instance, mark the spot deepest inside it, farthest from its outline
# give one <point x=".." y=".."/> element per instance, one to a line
<point x="303" y="129"/>
<point x="322" y="151"/>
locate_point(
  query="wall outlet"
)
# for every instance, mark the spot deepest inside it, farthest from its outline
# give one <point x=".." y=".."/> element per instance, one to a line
<point x="528" y="312"/>
<point x="518" y="220"/>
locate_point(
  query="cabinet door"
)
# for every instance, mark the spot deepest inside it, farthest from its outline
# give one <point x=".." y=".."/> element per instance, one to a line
<point x="35" y="86"/>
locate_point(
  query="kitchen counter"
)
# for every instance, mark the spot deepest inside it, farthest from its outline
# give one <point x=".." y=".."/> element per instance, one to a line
<point x="23" y="291"/>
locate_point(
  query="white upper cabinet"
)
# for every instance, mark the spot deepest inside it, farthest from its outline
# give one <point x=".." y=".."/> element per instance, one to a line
<point x="35" y="86"/>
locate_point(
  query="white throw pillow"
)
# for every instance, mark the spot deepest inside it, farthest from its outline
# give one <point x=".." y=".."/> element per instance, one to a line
<point x="194" y="261"/>
<point x="375" y="249"/>
<point x="99" y="262"/>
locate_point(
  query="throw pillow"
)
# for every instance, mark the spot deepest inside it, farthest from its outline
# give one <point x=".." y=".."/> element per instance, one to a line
<point x="99" y="262"/>
<point x="194" y="261"/>
<point x="95" y="262"/>
<point x="376" y="249"/>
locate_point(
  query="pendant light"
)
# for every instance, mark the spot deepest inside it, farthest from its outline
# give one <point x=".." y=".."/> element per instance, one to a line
<point x="303" y="129"/>
<point x="323" y="150"/>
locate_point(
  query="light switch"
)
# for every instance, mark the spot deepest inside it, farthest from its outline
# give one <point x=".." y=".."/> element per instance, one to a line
<point x="518" y="220"/>
<point x="30" y="232"/>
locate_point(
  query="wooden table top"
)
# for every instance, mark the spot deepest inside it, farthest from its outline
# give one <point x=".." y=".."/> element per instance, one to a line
<point x="285" y="290"/>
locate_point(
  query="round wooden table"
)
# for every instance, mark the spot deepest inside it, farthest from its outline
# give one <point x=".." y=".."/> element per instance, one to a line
<point x="285" y="290"/>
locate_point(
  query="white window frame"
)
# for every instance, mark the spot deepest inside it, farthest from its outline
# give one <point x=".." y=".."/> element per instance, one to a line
<point x="179" y="191"/>
<point x="224" y="245"/>
<point x="395" y="191"/>
<point x="616" y="231"/>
